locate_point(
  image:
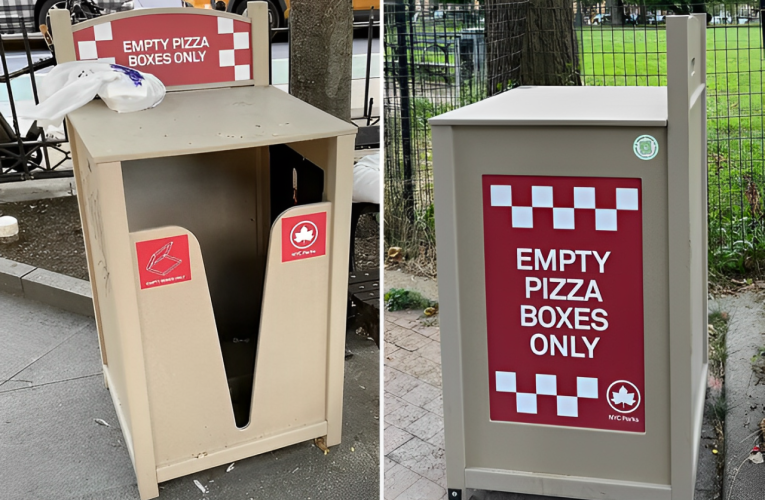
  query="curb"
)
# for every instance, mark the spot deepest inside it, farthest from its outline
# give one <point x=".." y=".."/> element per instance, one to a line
<point x="54" y="289"/>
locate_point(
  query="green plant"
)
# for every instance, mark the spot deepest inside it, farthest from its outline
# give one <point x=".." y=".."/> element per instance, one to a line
<point x="398" y="299"/>
<point x="718" y="353"/>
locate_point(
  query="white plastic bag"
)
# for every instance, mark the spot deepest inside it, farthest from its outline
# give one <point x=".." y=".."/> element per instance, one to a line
<point x="72" y="85"/>
<point x="366" y="180"/>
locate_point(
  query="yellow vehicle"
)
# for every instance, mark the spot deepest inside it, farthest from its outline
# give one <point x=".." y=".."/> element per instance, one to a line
<point x="279" y="10"/>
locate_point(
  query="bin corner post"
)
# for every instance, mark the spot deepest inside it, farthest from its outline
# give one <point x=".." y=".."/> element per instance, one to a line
<point x="63" y="37"/>
<point x="339" y="188"/>
<point x="448" y="298"/>
<point x="686" y="134"/>
<point x="261" y="55"/>
<point x="121" y="276"/>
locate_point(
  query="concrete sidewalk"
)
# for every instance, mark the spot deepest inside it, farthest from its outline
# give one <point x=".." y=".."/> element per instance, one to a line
<point x="414" y="427"/>
<point x="52" y="392"/>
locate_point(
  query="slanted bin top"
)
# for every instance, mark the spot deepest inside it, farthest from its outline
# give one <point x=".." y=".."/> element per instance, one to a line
<point x="593" y="106"/>
<point x="202" y="121"/>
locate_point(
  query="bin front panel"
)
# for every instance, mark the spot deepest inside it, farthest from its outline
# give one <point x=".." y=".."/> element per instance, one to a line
<point x="552" y="153"/>
<point x="564" y="300"/>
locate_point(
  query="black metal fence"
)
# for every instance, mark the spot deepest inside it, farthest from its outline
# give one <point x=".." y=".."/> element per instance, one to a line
<point x="438" y="57"/>
<point x="578" y="44"/>
<point x="26" y="151"/>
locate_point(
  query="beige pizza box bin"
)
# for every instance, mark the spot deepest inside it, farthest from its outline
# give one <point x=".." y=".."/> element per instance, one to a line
<point x="571" y="226"/>
<point x="221" y="322"/>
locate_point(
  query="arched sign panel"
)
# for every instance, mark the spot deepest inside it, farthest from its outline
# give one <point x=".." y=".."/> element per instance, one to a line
<point x="178" y="48"/>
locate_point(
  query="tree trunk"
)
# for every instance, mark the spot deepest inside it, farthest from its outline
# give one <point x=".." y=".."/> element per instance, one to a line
<point x="619" y="14"/>
<point x="505" y="24"/>
<point x="550" y="46"/>
<point x="616" y="9"/>
<point x="321" y="49"/>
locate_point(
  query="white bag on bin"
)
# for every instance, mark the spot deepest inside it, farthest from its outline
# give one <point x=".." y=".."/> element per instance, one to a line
<point x="72" y="85"/>
<point x="366" y="180"/>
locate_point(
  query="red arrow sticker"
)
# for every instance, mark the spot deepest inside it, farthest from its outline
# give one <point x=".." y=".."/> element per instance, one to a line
<point x="564" y="301"/>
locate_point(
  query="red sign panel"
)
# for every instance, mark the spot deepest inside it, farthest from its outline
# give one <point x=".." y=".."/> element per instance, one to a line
<point x="179" y="49"/>
<point x="304" y="236"/>
<point x="564" y="301"/>
<point x="164" y="261"/>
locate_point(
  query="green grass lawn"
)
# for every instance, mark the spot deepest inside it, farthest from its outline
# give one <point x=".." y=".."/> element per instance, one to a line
<point x="734" y="121"/>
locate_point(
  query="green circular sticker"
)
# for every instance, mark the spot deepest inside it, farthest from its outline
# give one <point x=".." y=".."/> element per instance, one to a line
<point x="646" y="147"/>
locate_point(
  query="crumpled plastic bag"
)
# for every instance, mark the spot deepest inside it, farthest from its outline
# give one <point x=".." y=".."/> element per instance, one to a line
<point x="366" y="180"/>
<point x="71" y="85"/>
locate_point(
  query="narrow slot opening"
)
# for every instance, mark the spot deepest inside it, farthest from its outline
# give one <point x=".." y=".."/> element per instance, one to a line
<point x="217" y="197"/>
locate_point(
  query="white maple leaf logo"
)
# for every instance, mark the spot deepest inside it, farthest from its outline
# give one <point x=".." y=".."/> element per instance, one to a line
<point x="304" y="235"/>
<point x="623" y="397"/>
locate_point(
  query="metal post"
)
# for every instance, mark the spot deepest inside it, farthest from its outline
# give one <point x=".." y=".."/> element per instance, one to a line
<point x="402" y="75"/>
<point x="370" y="29"/>
<point x="22" y="155"/>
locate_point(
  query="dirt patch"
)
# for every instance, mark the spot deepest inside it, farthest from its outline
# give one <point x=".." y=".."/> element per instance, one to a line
<point x="368" y="243"/>
<point x="50" y="237"/>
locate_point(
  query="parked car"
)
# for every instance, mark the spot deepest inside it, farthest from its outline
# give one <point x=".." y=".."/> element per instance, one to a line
<point x="656" y="18"/>
<point x="721" y="19"/>
<point x="279" y="10"/>
<point x="33" y="13"/>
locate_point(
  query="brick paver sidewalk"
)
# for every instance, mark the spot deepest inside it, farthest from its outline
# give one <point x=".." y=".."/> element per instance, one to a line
<point x="414" y="423"/>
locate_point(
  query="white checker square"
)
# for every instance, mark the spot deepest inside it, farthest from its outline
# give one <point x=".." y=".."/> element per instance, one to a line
<point x="563" y="218"/>
<point x="605" y="219"/>
<point x="542" y="196"/>
<point x="523" y="217"/>
<point x="584" y="197"/>
<point x="547" y="385"/>
<point x="505" y="381"/>
<point x="526" y="403"/>
<point x="626" y="199"/>
<point x="501" y="196"/>
<point x="110" y="60"/>
<point x="242" y="40"/>
<point x="103" y="31"/>
<point x="568" y="406"/>
<point x="88" y="50"/>
<point x="587" y="387"/>
<point x="242" y="72"/>
<point x="227" y="58"/>
<point x="225" y="25"/>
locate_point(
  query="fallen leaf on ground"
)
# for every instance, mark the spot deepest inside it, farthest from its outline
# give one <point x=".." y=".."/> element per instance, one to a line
<point x="321" y="445"/>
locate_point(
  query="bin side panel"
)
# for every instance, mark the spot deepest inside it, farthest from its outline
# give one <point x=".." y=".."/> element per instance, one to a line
<point x="291" y="364"/>
<point x="89" y="196"/>
<point x="686" y="90"/>
<point x="113" y="277"/>
<point x="547" y="449"/>
<point x="190" y="405"/>
<point x="81" y="172"/>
